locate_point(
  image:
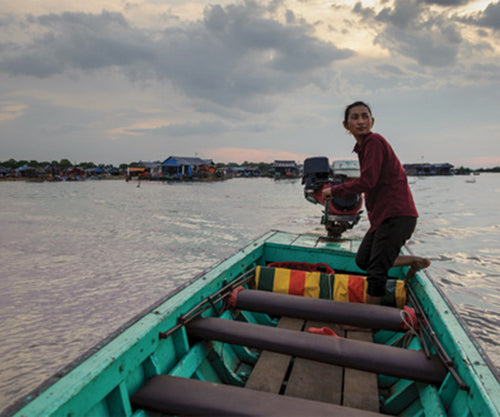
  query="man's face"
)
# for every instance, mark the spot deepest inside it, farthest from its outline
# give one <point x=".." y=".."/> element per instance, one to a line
<point x="360" y="121"/>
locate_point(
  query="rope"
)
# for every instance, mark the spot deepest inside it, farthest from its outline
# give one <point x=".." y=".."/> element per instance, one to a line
<point x="411" y="333"/>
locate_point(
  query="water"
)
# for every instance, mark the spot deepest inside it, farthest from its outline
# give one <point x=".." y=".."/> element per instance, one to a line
<point x="77" y="260"/>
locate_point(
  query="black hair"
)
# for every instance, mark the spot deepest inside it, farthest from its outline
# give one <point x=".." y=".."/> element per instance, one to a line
<point x="356" y="103"/>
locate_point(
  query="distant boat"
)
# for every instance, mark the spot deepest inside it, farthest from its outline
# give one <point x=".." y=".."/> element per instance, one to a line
<point x="346" y="168"/>
<point x="471" y="179"/>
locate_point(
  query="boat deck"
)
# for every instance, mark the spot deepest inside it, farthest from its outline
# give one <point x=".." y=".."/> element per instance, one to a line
<point x="196" y="351"/>
<point x="279" y="383"/>
<point x="303" y="378"/>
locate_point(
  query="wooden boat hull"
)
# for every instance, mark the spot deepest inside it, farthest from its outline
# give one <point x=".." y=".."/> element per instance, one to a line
<point x="137" y="370"/>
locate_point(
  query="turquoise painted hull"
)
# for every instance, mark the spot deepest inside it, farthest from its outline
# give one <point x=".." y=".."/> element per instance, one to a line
<point x="109" y="380"/>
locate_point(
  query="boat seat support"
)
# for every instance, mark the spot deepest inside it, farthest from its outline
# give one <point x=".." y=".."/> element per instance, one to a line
<point x="371" y="357"/>
<point x="181" y="396"/>
<point x="354" y="314"/>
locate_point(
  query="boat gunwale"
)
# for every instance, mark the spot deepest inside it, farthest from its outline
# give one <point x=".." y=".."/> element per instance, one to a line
<point x="454" y="312"/>
<point x="466" y="347"/>
<point x="481" y="378"/>
<point x="24" y="401"/>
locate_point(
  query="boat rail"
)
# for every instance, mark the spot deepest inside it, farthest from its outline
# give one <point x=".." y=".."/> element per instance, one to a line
<point x="209" y="302"/>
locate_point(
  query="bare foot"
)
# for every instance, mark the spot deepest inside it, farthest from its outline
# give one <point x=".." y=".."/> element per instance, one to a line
<point x="417" y="265"/>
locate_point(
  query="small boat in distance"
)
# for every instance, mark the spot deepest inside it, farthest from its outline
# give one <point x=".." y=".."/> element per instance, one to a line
<point x="269" y="331"/>
<point x="346" y="168"/>
<point x="471" y="179"/>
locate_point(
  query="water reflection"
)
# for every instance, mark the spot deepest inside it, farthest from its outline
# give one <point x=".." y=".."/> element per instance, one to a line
<point x="84" y="258"/>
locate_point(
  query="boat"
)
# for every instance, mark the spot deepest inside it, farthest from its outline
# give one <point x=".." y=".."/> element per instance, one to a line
<point x="346" y="168"/>
<point x="471" y="179"/>
<point x="280" y="328"/>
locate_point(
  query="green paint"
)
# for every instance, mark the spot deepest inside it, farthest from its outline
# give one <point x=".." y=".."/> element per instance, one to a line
<point x="102" y="384"/>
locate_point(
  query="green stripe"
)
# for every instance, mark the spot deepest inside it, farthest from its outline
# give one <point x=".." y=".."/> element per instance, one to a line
<point x="389" y="299"/>
<point x="324" y="286"/>
<point x="266" y="279"/>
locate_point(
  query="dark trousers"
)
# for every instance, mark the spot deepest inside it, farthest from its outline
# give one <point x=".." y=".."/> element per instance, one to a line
<point x="380" y="248"/>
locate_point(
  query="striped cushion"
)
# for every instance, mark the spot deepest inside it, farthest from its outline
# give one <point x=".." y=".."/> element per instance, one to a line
<point x="293" y="282"/>
<point x="338" y="287"/>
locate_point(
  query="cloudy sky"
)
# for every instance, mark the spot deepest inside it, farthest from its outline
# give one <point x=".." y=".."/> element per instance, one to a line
<point x="116" y="81"/>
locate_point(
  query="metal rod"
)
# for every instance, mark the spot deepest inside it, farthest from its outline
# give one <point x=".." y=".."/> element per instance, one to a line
<point x="424" y="343"/>
<point x="441" y="352"/>
<point x="432" y="334"/>
<point x="212" y="300"/>
<point x="421" y="335"/>
<point x="428" y="330"/>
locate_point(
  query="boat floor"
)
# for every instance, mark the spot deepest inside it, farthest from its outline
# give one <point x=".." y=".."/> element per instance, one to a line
<point x="303" y="378"/>
<point x="279" y="383"/>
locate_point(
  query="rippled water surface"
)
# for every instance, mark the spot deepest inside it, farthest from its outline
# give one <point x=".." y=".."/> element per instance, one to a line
<point x="77" y="260"/>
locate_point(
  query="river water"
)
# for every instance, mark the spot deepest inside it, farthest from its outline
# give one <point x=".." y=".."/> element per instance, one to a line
<point x="80" y="259"/>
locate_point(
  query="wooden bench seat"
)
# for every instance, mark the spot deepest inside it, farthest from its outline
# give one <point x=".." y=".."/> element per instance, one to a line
<point x="313" y="380"/>
<point x="271" y="368"/>
<point x="360" y="387"/>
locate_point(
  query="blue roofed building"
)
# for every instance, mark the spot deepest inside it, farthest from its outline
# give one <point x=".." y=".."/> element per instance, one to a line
<point x="179" y="167"/>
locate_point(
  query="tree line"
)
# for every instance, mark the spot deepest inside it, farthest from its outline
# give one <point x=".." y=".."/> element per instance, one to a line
<point x="66" y="163"/>
<point x="62" y="164"/>
<point x="262" y="166"/>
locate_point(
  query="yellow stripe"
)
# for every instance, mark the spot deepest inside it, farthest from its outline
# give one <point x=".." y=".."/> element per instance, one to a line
<point x="281" y="280"/>
<point x="400" y="294"/>
<point x="257" y="276"/>
<point x="311" y="285"/>
<point x="340" y="288"/>
<point x="366" y="289"/>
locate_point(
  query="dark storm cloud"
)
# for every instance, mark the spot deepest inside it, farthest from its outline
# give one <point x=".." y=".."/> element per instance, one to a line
<point x="236" y="50"/>
<point x="490" y="17"/>
<point x="232" y="54"/>
<point x="452" y="3"/>
<point x="76" y="40"/>
<point x="411" y="29"/>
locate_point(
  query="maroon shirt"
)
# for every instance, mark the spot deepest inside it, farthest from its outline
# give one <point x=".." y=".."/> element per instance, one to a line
<point x="382" y="180"/>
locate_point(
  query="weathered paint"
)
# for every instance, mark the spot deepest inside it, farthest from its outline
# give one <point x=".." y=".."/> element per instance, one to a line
<point x="101" y="384"/>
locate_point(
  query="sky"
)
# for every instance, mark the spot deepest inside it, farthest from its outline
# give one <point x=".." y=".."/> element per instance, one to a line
<point x="117" y="81"/>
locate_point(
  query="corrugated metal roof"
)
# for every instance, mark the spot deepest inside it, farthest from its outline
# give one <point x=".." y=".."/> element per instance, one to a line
<point x="181" y="160"/>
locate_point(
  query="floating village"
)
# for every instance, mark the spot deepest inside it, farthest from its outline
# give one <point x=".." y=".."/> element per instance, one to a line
<point x="176" y="168"/>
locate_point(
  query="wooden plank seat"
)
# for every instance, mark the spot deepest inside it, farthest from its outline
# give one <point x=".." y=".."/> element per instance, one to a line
<point x="360" y="387"/>
<point x="393" y="361"/>
<point x="270" y="370"/>
<point x="183" y="396"/>
<point x="331" y="383"/>
<point x="314" y="380"/>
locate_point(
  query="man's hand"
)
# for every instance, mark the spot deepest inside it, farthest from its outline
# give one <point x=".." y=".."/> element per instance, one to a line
<point x="327" y="194"/>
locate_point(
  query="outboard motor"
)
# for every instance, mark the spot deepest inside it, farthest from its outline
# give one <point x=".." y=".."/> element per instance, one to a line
<point x="340" y="214"/>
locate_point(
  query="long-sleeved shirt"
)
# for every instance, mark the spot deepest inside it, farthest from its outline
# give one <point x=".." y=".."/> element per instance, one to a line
<point x="382" y="180"/>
